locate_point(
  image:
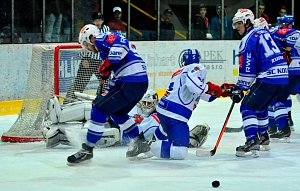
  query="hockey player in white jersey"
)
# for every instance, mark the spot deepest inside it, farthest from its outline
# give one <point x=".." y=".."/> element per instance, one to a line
<point x="71" y="117"/>
<point x="176" y="106"/>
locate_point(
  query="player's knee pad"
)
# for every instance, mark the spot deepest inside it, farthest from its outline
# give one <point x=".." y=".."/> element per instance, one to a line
<point x="178" y="152"/>
<point x="77" y="111"/>
<point x="54" y="110"/>
<point x="110" y="137"/>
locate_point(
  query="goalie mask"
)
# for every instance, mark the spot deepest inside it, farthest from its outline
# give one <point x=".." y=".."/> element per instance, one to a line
<point x="148" y="103"/>
<point x="85" y="34"/>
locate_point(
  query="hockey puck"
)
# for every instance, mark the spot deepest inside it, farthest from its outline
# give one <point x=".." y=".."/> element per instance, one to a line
<point x="215" y="184"/>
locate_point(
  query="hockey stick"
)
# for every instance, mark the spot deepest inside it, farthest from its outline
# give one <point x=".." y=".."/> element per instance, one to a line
<point x="233" y="129"/>
<point x="213" y="151"/>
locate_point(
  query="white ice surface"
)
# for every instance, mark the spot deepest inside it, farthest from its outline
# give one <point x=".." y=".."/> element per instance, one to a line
<point x="32" y="167"/>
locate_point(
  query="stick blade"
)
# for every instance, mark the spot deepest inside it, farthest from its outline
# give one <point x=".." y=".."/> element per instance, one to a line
<point x="203" y="153"/>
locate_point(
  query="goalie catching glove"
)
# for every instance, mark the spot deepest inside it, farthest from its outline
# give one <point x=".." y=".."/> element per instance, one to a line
<point x="105" y="69"/>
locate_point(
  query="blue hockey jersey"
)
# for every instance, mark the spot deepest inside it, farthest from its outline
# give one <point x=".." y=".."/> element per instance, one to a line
<point x="287" y="37"/>
<point x="127" y="65"/>
<point x="260" y="59"/>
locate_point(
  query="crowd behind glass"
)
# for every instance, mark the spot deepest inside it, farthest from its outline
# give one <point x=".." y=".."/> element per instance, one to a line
<point x="44" y="21"/>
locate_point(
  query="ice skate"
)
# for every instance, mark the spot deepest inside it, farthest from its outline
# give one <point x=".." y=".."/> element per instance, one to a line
<point x="137" y="147"/>
<point x="272" y="130"/>
<point x="250" y="146"/>
<point x="290" y="121"/>
<point x="282" y="135"/>
<point x="84" y="154"/>
<point x="264" y="142"/>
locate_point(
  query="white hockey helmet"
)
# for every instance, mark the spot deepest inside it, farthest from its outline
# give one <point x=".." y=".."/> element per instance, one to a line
<point x="261" y="23"/>
<point x="148" y="103"/>
<point x="242" y="15"/>
<point x="86" y="32"/>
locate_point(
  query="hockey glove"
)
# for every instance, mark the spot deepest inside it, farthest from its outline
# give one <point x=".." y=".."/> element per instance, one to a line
<point x="237" y="95"/>
<point x="287" y="57"/>
<point x="138" y="119"/>
<point x="105" y="70"/>
<point x="227" y="89"/>
<point x="214" y="89"/>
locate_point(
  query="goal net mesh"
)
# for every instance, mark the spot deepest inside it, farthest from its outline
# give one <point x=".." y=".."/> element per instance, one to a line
<point x="54" y="70"/>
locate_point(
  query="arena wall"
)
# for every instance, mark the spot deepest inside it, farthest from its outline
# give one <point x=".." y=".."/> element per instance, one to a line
<point x="162" y="58"/>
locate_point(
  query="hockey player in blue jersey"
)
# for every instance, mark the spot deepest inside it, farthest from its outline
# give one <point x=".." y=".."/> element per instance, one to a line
<point x="287" y="37"/>
<point x="126" y="88"/>
<point x="263" y="72"/>
<point x="176" y="106"/>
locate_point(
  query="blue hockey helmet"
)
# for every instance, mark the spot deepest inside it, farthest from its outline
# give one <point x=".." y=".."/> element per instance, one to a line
<point x="286" y="19"/>
<point x="190" y="56"/>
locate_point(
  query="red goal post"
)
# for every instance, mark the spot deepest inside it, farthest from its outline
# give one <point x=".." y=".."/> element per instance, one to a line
<point x="53" y="69"/>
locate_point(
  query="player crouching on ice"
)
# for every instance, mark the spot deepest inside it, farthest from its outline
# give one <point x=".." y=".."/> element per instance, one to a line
<point x="175" y="109"/>
<point x="74" y="115"/>
<point x="261" y="62"/>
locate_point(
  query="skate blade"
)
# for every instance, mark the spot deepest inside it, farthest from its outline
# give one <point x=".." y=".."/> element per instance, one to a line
<point x="253" y="153"/>
<point x="79" y="163"/>
<point x="281" y="140"/>
<point x="265" y="148"/>
<point x="141" y="156"/>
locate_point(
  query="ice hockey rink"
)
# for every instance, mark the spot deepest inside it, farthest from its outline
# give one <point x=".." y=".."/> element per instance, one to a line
<point x="32" y="167"/>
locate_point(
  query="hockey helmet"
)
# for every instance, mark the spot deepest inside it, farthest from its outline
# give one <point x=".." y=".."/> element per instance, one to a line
<point x="86" y="32"/>
<point x="261" y="23"/>
<point x="190" y="56"/>
<point x="148" y="103"/>
<point x="286" y="19"/>
<point x="242" y="15"/>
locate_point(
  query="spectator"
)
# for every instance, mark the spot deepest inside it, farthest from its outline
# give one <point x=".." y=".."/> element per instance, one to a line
<point x="282" y="11"/>
<point x="167" y="29"/>
<point x="116" y="24"/>
<point x="216" y="22"/>
<point x="200" y="24"/>
<point x="261" y="12"/>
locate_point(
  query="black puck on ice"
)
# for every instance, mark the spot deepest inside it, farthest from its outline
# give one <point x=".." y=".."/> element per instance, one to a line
<point x="215" y="184"/>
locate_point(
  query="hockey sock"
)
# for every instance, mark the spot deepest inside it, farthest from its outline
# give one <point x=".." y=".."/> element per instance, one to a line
<point x="96" y="127"/>
<point x="250" y="122"/>
<point x="127" y="125"/>
<point x="262" y="121"/>
<point x="288" y="104"/>
<point x="94" y="134"/>
<point x="280" y="115"/>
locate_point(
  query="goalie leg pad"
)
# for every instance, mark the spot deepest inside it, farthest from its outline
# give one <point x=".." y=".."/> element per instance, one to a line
<point x="54" y="110"/>
<point x="54" y="136"/>
<point x="76" y="112"/>
<point x="109" y="138"/>
<point x="198" y="135"/>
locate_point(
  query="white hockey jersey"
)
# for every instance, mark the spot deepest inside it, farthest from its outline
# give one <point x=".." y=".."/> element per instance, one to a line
<point x="186" y="88"/>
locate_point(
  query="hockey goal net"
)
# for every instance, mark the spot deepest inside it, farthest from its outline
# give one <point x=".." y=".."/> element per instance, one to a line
<point x="54" y="70"/>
